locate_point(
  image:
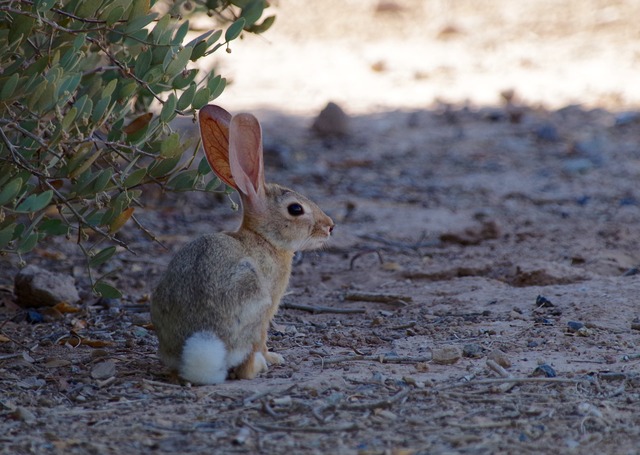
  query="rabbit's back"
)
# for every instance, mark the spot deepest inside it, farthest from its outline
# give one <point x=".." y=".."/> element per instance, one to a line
<point x="210" y="285"/>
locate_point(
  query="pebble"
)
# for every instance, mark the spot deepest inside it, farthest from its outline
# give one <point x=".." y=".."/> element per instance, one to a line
<point x="446" y="355"/>
<point x="103" y="370"/>
<point x="543" y="302"/>
<point x="545" y="370"/>
<point x="37" y="287"/>
<point x="574" y="326"/>
<point x="22" y="413"/>
<point x="473" y="350"/>
<point x="547" y="132"/>
<point x="332" y="121"/>
<point x="499" y="357"/>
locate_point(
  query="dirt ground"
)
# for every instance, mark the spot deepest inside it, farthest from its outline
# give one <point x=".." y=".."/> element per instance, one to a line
<point x="480" y="294"/>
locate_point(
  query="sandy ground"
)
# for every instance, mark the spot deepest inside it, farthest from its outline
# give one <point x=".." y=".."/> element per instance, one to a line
<point x="500" y="237"/>
<point x="370" y="58"/>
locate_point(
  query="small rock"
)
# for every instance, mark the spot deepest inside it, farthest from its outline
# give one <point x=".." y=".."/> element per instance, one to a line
<point x="35" y="287"/>
<point x="386" y="414"/>
<point x="446" y="355"/>
<point x="545" y="370"/>
<point x="104" y="370"/>
<point x="24" y="414"/>
<point x="547" y="132"/>
<point x="584" y="332"/>
<point x="574" y="326"/>
<point x="612" y="376"/>
<point x="332" y="121"/>
<point x="472" y="350"/>
<point x="57" y="363"/>
<point x="34" y="316"/>
<point x="500" y="358"/>
<point x="543" y="302"/>
<point x="627" y="118"/>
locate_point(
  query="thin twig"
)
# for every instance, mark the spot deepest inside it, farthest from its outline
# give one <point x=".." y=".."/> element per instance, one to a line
<point x="515" y="380"/>
<point x="371" y="358"/>
<point x="322" y="309"/>
<point x="378" y="297"/>
<point x="380" y="404"/>
<point x="308" y="429"/>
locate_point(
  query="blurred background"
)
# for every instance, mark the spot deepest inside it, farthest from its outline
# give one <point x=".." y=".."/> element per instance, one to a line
<point x="377" y="55"/>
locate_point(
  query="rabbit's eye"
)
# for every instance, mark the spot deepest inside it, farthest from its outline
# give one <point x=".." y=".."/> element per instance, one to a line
<point x="295" y="209"/>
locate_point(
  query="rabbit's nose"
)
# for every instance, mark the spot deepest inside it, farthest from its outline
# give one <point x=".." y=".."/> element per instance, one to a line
<point x="331" y="228"/>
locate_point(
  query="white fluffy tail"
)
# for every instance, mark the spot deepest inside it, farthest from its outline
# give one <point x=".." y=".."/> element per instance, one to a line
<point x="204" y="359"/>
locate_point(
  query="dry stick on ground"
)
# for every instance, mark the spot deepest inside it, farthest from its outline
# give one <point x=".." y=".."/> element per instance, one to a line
<point x="307" y="429"/>
<point x="392" y="299"/>
<point x="503" y="373"/>
<point x="514" y="380"/>
<point x="385" y="403"/>
<point x="371" y="358"/>
<point x="362" y="253"/>
<point x="322" y="309"/>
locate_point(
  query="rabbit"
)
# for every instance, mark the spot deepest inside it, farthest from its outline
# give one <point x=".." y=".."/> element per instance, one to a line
<point x="212" y="306"/>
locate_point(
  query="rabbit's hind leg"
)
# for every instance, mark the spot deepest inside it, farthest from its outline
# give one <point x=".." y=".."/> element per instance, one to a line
<point x="253" y="365"/>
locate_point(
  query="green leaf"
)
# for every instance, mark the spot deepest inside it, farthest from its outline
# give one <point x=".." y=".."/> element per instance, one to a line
<point x="10" y="191"/>
<point x="35" y="202"/>
<point x="127" y="90"/>
<point x="6" y="234"/>
<point x="102" y="256"/>
<point x="187" y="97"/>
<point x="201" y="98"/>
<point x="180" y="34"/>
<point x="134" y="178"/>
<point x="162" y="168"/>
<point x="100" y="109"/>
<point x="169" y="109"/>
<point x="28" y="243"/>
<point x="115" y="15"/>
<point x="87" y="8"/>
<point x="264" y="26"/>
<point x="139" y="21"/>
<point x="182" y="80"/>
<point x="179" y="62"/>
<point x="218" y="89"/>
<point x="214" y="183"/>
<point x="203" y="167"/>
<point x="68" y="119"/>
<point x="53" y="226"/>
<point x="170" y="147"/>
<point x="106" y="290"/>
<point x="162" y="32"/>
<point x="139" y="9"/>
<point x="103" y="179"/>
<point x="110" y="88"/>
<point x="143" y="63"/>
<point x="199" y="50"/>
<point x="44" y="5"/>
<point x="20" y="27"/>
<point x="184" y="181"/>
<point x="8" y="86"/>
<point x="234" y="30"/>
<point x="253" y="11"/>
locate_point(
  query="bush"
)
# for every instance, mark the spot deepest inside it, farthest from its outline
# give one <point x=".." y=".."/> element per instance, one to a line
<point x="78" y="139"/>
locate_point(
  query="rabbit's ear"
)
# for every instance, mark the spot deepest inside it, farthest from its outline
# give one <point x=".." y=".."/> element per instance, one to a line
<point x="245" y="158"/>
<point x="214" y="130"/>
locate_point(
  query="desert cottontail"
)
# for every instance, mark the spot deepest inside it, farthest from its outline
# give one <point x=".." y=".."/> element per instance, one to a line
<point x="212" y="307"/>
